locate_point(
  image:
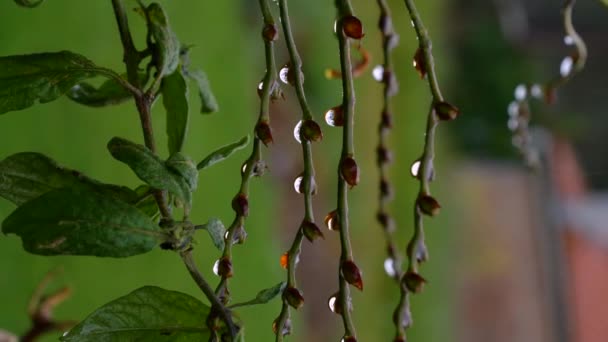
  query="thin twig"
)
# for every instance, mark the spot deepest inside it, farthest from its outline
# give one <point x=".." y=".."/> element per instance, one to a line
<point x="307" y="182"/>
<point x="345" y="10"/>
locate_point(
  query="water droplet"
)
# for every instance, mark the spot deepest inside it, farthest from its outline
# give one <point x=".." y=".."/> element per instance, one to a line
<point x="296" y="131"/>
<point x="378" y="73"/>
<point x="216" y="268"/>
<point x="415" y="168"/>
<point x="284" y="260"/>
<point x="335" y="117"/>
<point x="244" y="168"/>
<point x="568" y="40"/>
<point x="226" y="235"/>
<point x="389" y="267"/>
<point x="260" y="85"/>
<point x="65" y="333"/>
<point x="332" y="303"/>
<point x="336" y="26"/>
<point x="566" y="67"/>
<point x="536" y="90"/>
<point x="412" y="22"/>
<point x="283" y="74"/>
<point x="297" y="184"/>
<point x="331" y="221"/>
<point x="521" y="91"/>
<point x="513" y="123"/>
<point x="513" y="109"/>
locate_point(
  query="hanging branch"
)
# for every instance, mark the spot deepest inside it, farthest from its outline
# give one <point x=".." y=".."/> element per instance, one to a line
<point x="306" y="132"/>
<point x="519" y="109"/>
<point x="347" y="27"/>
<point x="422" y="169"/>
<point x="254" y="165"/>
<point x="386" y="75"/>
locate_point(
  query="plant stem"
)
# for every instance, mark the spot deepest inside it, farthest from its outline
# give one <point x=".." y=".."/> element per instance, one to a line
<point x="309" y="173"/>
<point x="208" y="291"/>
<point x="348" y="106"/>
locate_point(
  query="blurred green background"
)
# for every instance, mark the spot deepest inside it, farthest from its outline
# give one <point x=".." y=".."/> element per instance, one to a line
<point x="226" y="36"/>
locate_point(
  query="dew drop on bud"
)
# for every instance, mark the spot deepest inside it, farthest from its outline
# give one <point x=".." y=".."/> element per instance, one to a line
<point x="565" y="67"/>
<point x="284" y="260"/>
<point x="389" y="267"/>
<point x="311" y="131"/>
<point x="296" y="131"/>
<point x="378" y="73"/>
<point x="216" y="267"/>
<point x="419" y="63"/>
<point x="348" y="339"/>
<point x="352" y="27"/>
<point x="415" y="169"/>
<point x="331" y="220"/>
<point x="297" y="184"/>
<point x="335" y="117"/>
<point x="536" y="91"/>
<point x="286" y="327"/>
<point x="521" y="92"/>
<point x="284" y="74"/>
<point x="332" y="303"/>
<point x="568" y="40"/>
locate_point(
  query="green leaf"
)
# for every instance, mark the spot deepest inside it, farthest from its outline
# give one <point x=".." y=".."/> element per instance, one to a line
<point x="27" y="175"/>
<point x="77" y="221"/>
<point x="185" y="167"/>
<point x="111" y="92"/>
<point x="149" y="167"/>
<point x="223" y="153"/>
<point x="216" y="231"/>
<point x="29" y="3"/>
<point x="175" y="99"/>
<point x="147" y="314"/>
<point x="264" y="296"/>
<point x="208" y="101"/>
<point x="167" y="46"/>
<point x="43" y="77"/>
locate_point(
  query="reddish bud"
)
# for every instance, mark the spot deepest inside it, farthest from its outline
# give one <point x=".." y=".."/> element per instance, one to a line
<point x="270" y="33"/>
<point x="446" y="111"/>
<point x="311" y="131"/>
<point x="349" y="171"/>
<point x="352" y="27"/>
<point x="240" y="205"/>
<point x="383" y="155"/>
<point x="331" y="220"/>
<point x="224" y="268"/>
<point x="349" y="339"/>
<point x="311" y="231"/>
<point x="420" y="63"/>
<point x="386" y="120"/>
<point x="399" y="339"/>
<point x="293" y="297"/>
<point x="286" y="329"/>
<point x="264" y="132"/>
<point x="428" y="205"/>
<point x="413" y="281"/>
<point x="351" y="273"/>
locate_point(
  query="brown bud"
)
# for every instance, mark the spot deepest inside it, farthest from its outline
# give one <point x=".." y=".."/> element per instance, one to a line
<point x="331" y="220"/>
<point x="224" y="268"/>
<point x="420" y="63"/>
<point x="240" y="205"/>
<point x="385" y="189"/>
<point x="383" y="155"/>
<point x="293" y="297"/>
<point x="270" y="33"/>
<point x="349" y="339"/>
<point x="286" y="327"/>
<point x="352" y="26"/>
<point x="446" y="111"/>
<point x="386" y="222"/>
<point x="311" y="131"/>
<point x="413" y="281"/>
<point x="349" y="171"/>
<point x="264" y="132"/>
<point x="386" y="121"/>
<point x="399" y="339"/>
<point x="352" y="275"/>
<point x="428" y="205"/>
<point x="311" y="231"/>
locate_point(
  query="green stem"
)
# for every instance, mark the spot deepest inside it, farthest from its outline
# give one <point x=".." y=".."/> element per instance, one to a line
<point x="348" y="105"/>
